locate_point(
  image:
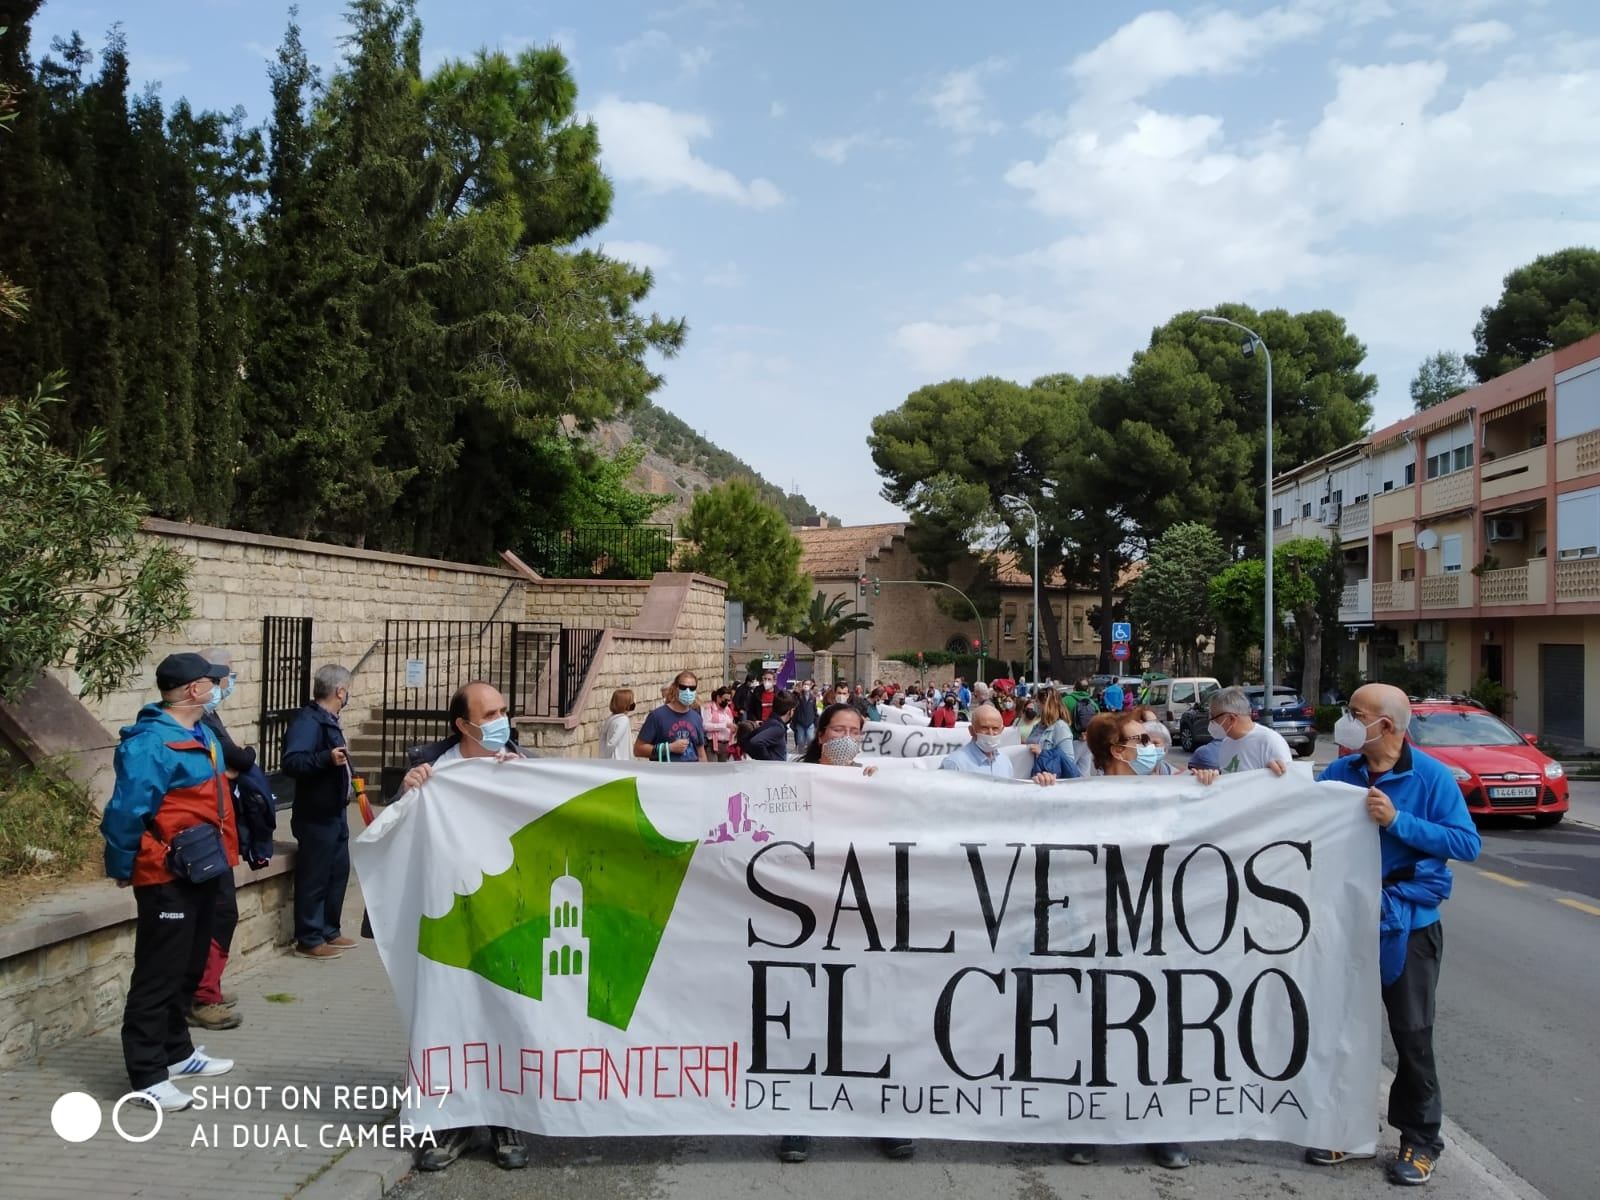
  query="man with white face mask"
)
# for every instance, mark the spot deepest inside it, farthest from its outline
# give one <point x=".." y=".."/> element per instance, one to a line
<point x="1423" y="822"/>
<point x="981" y="756"/>
<point x="1246" y="746"/>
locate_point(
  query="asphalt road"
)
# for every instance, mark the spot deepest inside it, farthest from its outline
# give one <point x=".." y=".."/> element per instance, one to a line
<point x="1518" y="1041"/>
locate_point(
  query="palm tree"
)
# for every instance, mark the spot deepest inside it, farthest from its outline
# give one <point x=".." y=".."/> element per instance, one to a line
<point x="827" y="622"/>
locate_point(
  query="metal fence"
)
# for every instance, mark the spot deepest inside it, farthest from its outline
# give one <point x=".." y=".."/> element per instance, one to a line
<point x="601" y="551"/>
<point x="539" y="668"/>
<point x="285" y="683"/>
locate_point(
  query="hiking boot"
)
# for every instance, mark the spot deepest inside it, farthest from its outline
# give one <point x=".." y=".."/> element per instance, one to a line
<point x="213" y="1016"/>
<point x="449" y="1146"/>
<point x="794" y="1149"/>
<point x="510" y="1154"/>
<point x="200" y="1063"/>
<point x="1332" y="1158"/>
<point x="230" y="1000"/>
<point x="897" y="1148"/>
<point x="1413" y="1168"/>
<point x="323" y="952"/>
<point x="1170" y="1155"/>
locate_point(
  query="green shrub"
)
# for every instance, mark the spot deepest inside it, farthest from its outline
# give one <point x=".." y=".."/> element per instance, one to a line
<point x="1327" y="714"/>
<point x="48" y="827"/>
<point x="1493" y="696"/>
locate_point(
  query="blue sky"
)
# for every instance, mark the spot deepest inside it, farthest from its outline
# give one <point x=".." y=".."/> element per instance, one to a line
<point x="847" y="201"/>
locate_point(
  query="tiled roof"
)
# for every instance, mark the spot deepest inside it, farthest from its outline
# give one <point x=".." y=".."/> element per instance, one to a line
<point x="1008" y="573"/>
<point x="838" y="553"/>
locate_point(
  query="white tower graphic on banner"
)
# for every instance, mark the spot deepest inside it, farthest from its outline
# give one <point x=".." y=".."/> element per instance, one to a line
<point x="564" y="955"/>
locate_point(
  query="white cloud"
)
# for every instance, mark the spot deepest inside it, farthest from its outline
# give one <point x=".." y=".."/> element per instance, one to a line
<point x="642" y="254"/>
<point x="937" y="349"/>
<point x="651" y="145"/>
<point x="728" y="275"/>
<point x="778" y="110"/>
<point x="693" y="60"/>
<point x="1480" y="35"/>
<point x="837" y="150"/>
<point x="652" y="43"/>
<point x="960" y="104"/>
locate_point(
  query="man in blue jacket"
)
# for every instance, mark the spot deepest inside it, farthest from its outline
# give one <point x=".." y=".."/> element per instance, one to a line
<point x="315" y="757"/>
<point x="169" y="781"/>
<point x="1424" y="821"/>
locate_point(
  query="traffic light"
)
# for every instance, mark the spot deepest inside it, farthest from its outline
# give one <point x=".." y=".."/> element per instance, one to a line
<point x="876" y="586"/>
<point x="862" y="587"/>
<point x="976" y="645"/>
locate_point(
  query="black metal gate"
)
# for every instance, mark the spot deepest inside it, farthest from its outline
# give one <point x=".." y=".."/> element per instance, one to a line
<point x="285" y="688"/>
<point x="539" y="668"/>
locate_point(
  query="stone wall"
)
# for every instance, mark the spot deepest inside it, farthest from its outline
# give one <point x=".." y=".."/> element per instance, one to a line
<point x="66" y="962"/>
<point x="681" y="624"/>
<point x="239" y="578"/>
<point x="586" y="603"/>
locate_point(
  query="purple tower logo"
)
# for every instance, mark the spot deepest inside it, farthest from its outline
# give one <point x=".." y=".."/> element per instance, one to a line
<point x="739" y="822"/>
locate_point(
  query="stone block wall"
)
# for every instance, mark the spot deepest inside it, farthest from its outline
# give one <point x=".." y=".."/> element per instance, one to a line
<point x="67" y="988"/>
<point x="586" y="603"/>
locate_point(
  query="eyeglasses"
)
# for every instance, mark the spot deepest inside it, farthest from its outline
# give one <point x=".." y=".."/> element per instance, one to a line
<point x="1144" y="739"/>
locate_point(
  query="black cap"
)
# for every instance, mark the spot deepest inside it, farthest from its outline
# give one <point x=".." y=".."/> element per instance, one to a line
<point x="175" y="670"/>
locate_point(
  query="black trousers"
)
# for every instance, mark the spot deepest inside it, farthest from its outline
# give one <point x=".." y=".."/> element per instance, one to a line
<point x="321" y="874"/>
<point x="170" y="944"/>
<point x="227" y="912"/>
<point x="1415" y="1106"/>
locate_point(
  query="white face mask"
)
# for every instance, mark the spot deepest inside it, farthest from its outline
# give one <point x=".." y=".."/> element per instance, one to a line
<point x="1348" y="731"/>
<point x="987" y="742"/>
<point x="1217" y="731"/>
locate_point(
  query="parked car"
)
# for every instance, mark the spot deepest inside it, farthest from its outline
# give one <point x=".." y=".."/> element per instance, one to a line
<point x="1171" y="698"/>
<point x="1291" y="716"/>
<point x="1499" y="769"/>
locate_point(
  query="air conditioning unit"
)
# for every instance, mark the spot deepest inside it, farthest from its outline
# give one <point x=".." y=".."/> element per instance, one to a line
<point x="1505" y="529"/>
<point x="1328" y="514"/>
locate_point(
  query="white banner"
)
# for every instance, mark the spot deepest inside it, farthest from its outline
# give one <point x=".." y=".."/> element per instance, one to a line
<point x="922" y="741"/>
<point x="585" y="948"/>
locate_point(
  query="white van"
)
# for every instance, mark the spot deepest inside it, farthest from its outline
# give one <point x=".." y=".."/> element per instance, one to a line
<point x="1171" y="698"/>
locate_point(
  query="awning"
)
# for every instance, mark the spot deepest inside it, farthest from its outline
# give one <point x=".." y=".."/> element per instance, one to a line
<point x="1515" y="406"/>
<point x="1461" y="414"/>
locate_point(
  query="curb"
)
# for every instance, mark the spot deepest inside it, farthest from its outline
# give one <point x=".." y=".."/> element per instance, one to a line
<point x="362" y="1174"/>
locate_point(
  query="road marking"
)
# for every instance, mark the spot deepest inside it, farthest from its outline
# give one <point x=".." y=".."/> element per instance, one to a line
<point x="1505" y="879"/>
<point x="1591" y="909"/>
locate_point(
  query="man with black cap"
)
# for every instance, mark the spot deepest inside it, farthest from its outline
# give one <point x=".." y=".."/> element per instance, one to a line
<point x="169" y="836"/>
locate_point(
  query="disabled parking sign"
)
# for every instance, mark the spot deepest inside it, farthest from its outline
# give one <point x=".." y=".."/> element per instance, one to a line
<point x="1121" y="631"/>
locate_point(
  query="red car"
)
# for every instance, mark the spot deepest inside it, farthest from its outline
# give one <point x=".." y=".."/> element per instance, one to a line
<point x="1499" y="770"/>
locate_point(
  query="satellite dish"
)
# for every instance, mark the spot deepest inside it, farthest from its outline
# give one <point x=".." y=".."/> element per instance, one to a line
<point x="1427" y="540"/>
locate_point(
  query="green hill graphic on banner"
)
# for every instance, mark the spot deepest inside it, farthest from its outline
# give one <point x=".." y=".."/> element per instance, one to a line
<point x="591" y="873"/>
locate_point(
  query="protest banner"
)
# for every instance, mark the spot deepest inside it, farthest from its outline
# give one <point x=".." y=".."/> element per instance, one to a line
<point x="884" y="738"/>
<point x="585" y="948"/>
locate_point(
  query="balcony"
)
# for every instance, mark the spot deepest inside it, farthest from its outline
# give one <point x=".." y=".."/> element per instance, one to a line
<point x="1442" y="591"/>
<point x="1355" y="603"/>
<point x="1514" y="473"/>
<point x="1516" y="585"/>
<point x="1578" y="579"/>
<point x="1447" y="492"/>
<point x="1397" y="505"/>
<point x="1355" y="521"/>
<point x="1578" y="455"/>
<point x="1394" y="596"/>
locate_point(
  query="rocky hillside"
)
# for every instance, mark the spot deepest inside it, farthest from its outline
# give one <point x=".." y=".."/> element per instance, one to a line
<point x="680" y="463"/>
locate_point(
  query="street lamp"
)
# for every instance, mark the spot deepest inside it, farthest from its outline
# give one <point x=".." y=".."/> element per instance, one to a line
<point x="1249" y="347"/>
<point x="1034" y="624"/>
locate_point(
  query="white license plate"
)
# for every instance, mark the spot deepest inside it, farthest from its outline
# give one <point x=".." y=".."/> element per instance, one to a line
<point x="1513" y="793"/>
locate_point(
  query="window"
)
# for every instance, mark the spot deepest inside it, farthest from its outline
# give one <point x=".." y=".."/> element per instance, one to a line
<point x="1578" y="524"/>
<point x="1277" y="523"/>
<point x="1158" y="693"/>
<point x="1449" y="554"/>
<point x="1450" y="450"/>
<point x="1183" y="693"/>
<point x="1411" y="477"/>
<point x="1077" y="625"/>
<point x="1578" y="399"/>
<point x="1337" y="498"/>
<point x="1408" y="563"/>
<point x="1305" y="514"/>
<point x="1010" y="621"/>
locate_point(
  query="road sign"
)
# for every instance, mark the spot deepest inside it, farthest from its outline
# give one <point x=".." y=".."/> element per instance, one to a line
<point x="1121" y="631"/>
<point x="1119" y="651"/>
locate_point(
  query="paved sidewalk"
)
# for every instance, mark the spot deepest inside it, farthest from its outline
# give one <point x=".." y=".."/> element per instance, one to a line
<point x="307" y="1025"/>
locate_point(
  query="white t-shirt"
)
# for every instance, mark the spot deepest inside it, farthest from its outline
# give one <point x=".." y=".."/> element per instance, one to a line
<point x="1254" y="750"/>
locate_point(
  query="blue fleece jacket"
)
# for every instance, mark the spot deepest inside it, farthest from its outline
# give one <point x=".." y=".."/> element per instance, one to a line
<point x="1431" y="822"/>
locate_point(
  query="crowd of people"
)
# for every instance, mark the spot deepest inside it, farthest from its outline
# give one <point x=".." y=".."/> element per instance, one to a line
<point x="190" y="803"/>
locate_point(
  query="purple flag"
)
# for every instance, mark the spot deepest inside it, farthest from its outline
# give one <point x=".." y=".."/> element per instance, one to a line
<point x="786" y="672"/>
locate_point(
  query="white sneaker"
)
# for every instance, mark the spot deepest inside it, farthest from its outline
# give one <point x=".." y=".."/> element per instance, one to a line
<point x="166" y="1096"/>
<point x="200" y="1063"/>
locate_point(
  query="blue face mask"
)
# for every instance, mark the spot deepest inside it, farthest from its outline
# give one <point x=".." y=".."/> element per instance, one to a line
<point x="686" y="696"/>
<point x="217" y="697"/>
<point x="493" y="735"/>
<point x="1147" y="758"/>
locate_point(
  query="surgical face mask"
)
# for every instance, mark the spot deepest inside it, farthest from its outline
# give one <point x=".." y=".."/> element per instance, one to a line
<point x="1349" y="731"/>
<point x="841" y="751"/>
<point x="1217" y="731"/>
<point x="988" y="742"/>
<point x="1147" y="759"/>
<point x="766" y="685"/>
<point x="686" y="695"/>
<point x="217" y="697"/>
<point x="494" y="734"/>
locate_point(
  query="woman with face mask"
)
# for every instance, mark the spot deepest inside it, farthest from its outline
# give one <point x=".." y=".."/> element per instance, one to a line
<point x="1028" y="721"/>
<point x="719" y="720"/>
<point x="1121" y="744"/>
<point x="838" y="742"/>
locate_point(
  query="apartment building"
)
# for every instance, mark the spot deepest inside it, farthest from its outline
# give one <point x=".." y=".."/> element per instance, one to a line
<point x="1470" y="536"/>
